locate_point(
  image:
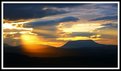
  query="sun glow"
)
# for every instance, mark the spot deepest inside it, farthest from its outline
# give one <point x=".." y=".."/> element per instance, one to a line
<point x="31" y="45"/>
<point x="8" y="26"/>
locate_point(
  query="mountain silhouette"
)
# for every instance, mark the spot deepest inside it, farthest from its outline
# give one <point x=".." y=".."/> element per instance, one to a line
<point x="9" y="48"/>
<point x="41" y="50"/>
<point x="83" y="43"/>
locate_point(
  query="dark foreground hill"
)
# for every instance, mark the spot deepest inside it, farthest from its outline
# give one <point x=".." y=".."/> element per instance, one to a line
<point x="72" y="54"/>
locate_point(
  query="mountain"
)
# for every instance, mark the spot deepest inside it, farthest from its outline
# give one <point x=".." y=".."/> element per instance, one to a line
<point x="83" y="43"/>
<point x="89" y="48"/>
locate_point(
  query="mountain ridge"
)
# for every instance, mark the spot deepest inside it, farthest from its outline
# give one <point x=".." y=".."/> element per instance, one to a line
<point x="83" y="43"/>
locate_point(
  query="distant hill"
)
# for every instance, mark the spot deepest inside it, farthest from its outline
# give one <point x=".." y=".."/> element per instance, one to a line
<point x="84" y="43"/>
<point x="42" y="51"/>
<point x="8" y="48"/>
<point x="11" y="49"/>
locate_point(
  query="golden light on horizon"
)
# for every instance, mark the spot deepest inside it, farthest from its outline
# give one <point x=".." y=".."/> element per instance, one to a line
<point x="74" y="38"/>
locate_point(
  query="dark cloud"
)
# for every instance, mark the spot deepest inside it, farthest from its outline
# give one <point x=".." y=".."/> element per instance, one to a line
<point x="67" y="19"/>
<point x="105" y="18"/>
<point x="108" y="31"/>
<point x="47" y="35"/>
<point x="108" y="36"/>
<point x="51" y="22"/>
<point x="108" y="26"/>
<point x="26" y="11"/>
<point x="87" y="34"/>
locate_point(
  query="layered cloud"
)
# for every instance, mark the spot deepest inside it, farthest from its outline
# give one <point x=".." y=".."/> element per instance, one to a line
<point x="51" y="22"/>
<point x="59" y="23"/>
<point x="106" y="18"/>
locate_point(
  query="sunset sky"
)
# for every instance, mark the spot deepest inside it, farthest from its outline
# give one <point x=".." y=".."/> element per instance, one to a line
<point x="56" y="24"/>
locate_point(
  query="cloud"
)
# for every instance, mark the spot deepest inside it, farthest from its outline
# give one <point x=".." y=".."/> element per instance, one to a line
<point x="52" y="22"/>
<point x="87" y="34"/>
<point x="108" y="31"/>
<point x="90" y="11"/>
<point x="110" y="25"/>
<point x="27" y="11"/>
<point x="83" y="10"/>
<point x="109" y="9"/>
<point x="104" y="31"/>
<point x="105" y="18"/>
<point x="47" y="27"/>
<point x="45" y="33"/>
<point x="109" y="34"/>
<point x="55" y="9"/>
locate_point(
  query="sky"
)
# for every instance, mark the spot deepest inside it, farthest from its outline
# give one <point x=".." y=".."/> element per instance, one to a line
<point x="56" y="24"/>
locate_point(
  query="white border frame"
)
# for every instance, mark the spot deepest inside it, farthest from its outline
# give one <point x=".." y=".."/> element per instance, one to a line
<point x="78" y="2"/>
